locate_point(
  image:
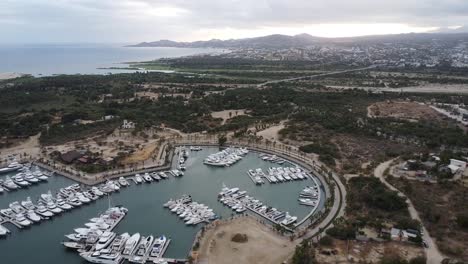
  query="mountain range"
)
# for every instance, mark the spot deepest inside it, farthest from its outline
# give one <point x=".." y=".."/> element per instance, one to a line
<point x="304" y="40"/>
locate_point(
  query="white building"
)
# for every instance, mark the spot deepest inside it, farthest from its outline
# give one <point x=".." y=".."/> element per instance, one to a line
<point x="128" y="124"/>
<point x="457" y="165"/>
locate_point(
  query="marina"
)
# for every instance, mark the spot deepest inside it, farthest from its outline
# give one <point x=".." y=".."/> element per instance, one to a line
<point x="239" y="202"/>
<point x="145" y="202"/>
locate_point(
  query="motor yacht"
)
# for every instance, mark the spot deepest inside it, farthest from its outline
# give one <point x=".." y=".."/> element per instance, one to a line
<point x="123" y="182"/>
<point x="144" y="246"/>
<point x="31" y="215"/>
<point x="138" y="179"/>
<point x="21" y="220"/>
<point x="288" y="219"/>
<point x="105" y="239"/>
<point x="131" y="244"/>
<point x="158" y="246"/>
<point x="42" y="211"/>
<point x="28" y="204"/>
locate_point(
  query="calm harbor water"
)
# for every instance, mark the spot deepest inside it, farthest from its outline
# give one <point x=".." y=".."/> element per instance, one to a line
<point x="81" y="58"/>
<point x="41" y="242"/>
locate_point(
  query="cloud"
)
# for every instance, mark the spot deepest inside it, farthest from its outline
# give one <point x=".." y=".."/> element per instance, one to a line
<point x="138" y="20"/>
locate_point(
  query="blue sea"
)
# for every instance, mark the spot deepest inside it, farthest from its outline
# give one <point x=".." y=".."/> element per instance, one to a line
<point x="50" y="59"/>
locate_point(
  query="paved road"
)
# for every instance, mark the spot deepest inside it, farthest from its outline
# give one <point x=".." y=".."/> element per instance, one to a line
<point x="315" y="76"/>
<point x="433" y="254"/>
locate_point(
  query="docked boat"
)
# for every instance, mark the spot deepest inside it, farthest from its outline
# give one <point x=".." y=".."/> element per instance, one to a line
<point x="17" y="208"/>
<point x="163" y="175"/>
<point x="42" y="211"/>
<point x="63" y="205"/>
<point x="14" y="166"/>
<point x="20" y="181"/>
<point x="31" y="215"/>
<point x="288" y="219"/>
<point x="158" y="246"/>
<point x="3" y="231"/>
<point x="138" y="179"/>
<point x="21" y="220"/>
<point x="147" y="178"/>
<point x="10" y="184"/>
<point x="144" y="246"/>
<point x="105" y="239"/>
<point x="123" y="182"/>
<point x="98" y="257"/>
<point x="131" y="244"/>
<point x="28" y="204"/>
<point x="307" y="201"/>
<point x="30" y="178"/>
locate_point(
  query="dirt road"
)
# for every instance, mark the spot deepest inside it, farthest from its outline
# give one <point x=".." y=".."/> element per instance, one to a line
<point x="433" y="254"/>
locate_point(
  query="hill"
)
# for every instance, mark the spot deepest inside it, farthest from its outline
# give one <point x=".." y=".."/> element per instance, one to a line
<point x="304" y="40"/>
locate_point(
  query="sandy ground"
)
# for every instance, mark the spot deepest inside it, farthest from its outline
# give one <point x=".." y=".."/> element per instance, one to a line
<point x="31" y="147"/>
<point x="263" y="245"/>
<point x="271" y="133"/>
<point x="9" y="75"/>
<point x="225" y="114"/>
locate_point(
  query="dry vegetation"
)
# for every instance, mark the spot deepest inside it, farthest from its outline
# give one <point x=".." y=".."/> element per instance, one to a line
<point x="406" y="110"/>
<point x="440" y="206"/>
<point x="364" y="252"/>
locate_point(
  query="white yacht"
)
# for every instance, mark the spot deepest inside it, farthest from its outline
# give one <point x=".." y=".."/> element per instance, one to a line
<point x="42" y="211"/>
<point x="123" y="181"/>
<point x="30" y="178"/>
<point x="147" y="177"/>
<point x="131" y="244"/>
<point x="28" y="204"/>
<point x="288" y="219"/>
<point x="158" y="246"/>
<point x="10" y="184"/>
<point x="105" y="239"/>
<point x="144" y="246"/>
<point x="21" y="220"/>
<point x="31" y="215"/>
<point x="138" y="179"/>
<point x="14" y="166"/>
<point x="63" y="205"/>
<point x="98" y="257"/>
<point x="3" y="231"/>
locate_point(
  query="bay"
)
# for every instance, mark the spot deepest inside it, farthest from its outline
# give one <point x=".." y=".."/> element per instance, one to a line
<point x="50" y="59"/>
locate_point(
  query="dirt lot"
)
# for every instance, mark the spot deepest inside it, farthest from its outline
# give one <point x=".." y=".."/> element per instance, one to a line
<point x="225" y="114"/>
<point x="263" y="245"/>
<point x="365" y="252"/>
<point x="403" y="110"/>
<point x="271" y="133"/>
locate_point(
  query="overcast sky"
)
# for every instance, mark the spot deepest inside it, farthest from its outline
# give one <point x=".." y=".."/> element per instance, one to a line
<point x="29" y="21"/>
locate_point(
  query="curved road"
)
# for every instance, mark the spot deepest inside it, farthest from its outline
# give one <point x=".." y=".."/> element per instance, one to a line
<point x="433" y="254"/>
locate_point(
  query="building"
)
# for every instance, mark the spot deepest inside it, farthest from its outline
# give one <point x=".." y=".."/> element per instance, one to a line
<point x="457" y="165"/>
<point x="128" y="124"/>
<point x="70" y="156"/>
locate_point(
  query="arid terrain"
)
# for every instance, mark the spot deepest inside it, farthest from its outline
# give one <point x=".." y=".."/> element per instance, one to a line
<point x="262" y="247"/>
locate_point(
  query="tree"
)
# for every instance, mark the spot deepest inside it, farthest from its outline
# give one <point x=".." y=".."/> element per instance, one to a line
<point x="304" y="254"/>
<point x="222" y="140"/>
